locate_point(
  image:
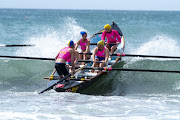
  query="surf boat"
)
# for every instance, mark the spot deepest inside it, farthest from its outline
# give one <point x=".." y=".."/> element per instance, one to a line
<point x="83" y="79"/>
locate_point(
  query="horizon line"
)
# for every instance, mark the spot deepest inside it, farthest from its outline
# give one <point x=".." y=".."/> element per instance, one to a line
<point x="89" y="9"/>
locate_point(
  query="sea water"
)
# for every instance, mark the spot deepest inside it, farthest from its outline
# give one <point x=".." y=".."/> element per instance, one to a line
<point x="146" y="96"/>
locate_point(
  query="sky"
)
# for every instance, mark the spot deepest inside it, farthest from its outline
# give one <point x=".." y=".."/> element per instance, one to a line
<point x="167" y="5"/>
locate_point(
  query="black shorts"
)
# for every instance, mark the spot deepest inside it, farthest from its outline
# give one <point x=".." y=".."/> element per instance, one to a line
<point x="61" y="69"/>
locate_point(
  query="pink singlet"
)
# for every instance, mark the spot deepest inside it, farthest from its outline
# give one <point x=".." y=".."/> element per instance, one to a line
<point x="69" y="60"/>
<point x="101" y="53"/>
<point x="111" y="36"/>
<point x="64" y="54"/>
<point x="83" y="45"/>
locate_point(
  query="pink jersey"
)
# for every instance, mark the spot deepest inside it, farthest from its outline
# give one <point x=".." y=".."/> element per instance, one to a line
<point x="64" y="54"/>
<point x="69" y="60"/>
<point x="83" y="45"/>
<point x="111" y="37"/>
<point x="101" y="53"/>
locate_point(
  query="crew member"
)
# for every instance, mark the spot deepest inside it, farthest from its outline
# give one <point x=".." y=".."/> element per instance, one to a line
<point x="113" y="38"/>
<point x="101" y="53"/>
<point x="65" y="54"/>
<point x="84" y="44"/>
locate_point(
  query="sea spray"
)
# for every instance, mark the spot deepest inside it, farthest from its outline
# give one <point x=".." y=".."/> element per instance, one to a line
<point x="50" y="41"/>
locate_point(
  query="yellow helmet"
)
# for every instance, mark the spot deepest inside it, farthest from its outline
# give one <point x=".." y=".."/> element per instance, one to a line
<point x="101" y="42"/>
<point x="107" y="26"/>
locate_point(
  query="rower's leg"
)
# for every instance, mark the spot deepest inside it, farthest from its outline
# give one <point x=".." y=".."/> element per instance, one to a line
<point x="95" y="65"/>
<point x="81" y="58"/>
<point x="113" y="49"/>
<point x="107" y="45"/>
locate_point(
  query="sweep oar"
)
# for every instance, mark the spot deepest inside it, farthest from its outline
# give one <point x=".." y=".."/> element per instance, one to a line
<point x="51" y="87"/>
<point x="88" y="61"/>
<point x="123" y="69"/>
<point x="38" y="58"/>
<point x="151" y="56"/>
<point x="132" y="55"/>
<point x="21" y="57"/>
<point x="2" y="45"/>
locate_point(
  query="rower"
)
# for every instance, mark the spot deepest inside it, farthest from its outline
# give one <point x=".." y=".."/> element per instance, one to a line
<point x="65" y="54"/>
<point x="101" y="53"/>
<point x="84" y="44"/>
<point x="112" y="37"/>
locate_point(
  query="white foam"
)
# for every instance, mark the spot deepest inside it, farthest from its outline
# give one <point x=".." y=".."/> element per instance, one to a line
<point x="158" y="45"/>
<point x="51" y="40"/>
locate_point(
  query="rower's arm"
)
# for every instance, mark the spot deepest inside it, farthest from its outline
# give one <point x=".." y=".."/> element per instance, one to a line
<point x="103" y="36"/>
<point x="118" y="36"/>
<point x="77" y="44"/>
<point x="94" y="53"/>
<point x="106" y="54"/>
<point x="76" y="57"/>
<point x="71" y="51"/>
<point x="87" y="47"/>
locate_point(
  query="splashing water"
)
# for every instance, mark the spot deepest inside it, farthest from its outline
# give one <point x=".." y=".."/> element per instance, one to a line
<point x="48" y="43"/>
<point x="159" y="45"/>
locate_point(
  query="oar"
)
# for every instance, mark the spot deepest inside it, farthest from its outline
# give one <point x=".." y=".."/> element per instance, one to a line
<point x="89" y="53"/>
<point x="21" y="57"/>
<point x="131" y="55"/>
<point x="88" y="61"/>
<point x="51" y="87"/>
<point x="96" y="43"/>
<point x="81" y="79"/>
<point x="38" y="58"/>
<point x="122" y="55"/>
<point x="122" y="69"/>
<point x="2" y="45"/>
<point x="151" y="56"/>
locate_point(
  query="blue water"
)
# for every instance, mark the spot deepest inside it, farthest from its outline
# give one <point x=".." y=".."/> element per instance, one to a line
<point x="147" y="96"/>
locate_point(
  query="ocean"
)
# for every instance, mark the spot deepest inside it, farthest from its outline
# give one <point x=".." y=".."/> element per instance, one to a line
<point x="146" y="95"/>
